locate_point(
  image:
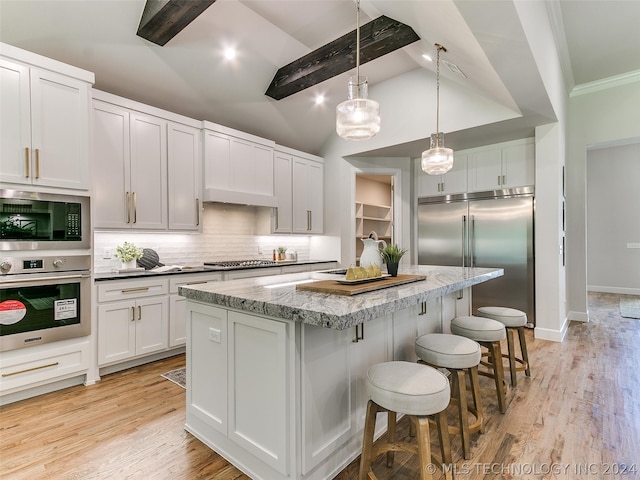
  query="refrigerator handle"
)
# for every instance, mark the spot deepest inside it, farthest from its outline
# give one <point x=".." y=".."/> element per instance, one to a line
<point x="472" y="238"/>
<point x="464" y="240"/>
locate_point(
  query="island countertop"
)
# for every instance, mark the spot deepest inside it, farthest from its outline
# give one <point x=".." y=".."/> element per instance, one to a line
<point x="277" y="296"/>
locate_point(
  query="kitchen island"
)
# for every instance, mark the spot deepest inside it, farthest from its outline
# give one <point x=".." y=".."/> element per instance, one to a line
<point x="275" y="375"/>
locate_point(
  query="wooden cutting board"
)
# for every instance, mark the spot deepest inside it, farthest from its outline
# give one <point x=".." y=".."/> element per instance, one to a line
<point x="333" y="287"/>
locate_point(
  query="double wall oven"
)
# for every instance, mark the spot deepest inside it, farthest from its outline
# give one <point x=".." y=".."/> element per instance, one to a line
<point x="45" y="268"/>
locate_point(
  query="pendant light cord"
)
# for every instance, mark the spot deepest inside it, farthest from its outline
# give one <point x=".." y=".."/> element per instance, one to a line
<point x="439" y="47"/>
<point x="358" y="45"/>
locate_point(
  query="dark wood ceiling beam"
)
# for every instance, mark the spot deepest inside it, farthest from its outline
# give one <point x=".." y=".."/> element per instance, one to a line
<point x="377" y="38"/>
<point x="164" y="19"/>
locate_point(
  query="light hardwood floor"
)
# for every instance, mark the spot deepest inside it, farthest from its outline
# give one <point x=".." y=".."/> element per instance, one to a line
<point x="577" y="417"/>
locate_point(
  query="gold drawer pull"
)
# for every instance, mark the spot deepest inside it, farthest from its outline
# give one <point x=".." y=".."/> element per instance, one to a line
<point x="54" y="364"/>
<point x="136" y="289"/>
<point x="26" y="161"/>
<point x="196" y="283"/>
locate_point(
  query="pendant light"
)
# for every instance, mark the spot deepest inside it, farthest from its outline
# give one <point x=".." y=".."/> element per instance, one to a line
<point x="438" y="159"/>
<point x="358" y="118"/>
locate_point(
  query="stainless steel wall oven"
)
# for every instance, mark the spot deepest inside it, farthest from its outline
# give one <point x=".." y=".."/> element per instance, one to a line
<point x="44" y="299"/>
<point x="43" y="221"/>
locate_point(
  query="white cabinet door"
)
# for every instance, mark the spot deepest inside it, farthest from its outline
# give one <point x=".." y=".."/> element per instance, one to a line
<point x="177" y="320"/>
<point x="207" y="365"/>
<point x="454" y="181"/>
<point x="282" y="184"/>
<point x="260" y="363"/>
<point x="308" y="187"/>
<point x="152" y="325"/>
<point x="148" y="172"/>
<point x="47" y="141"/>
<point x="518" y="164"/>
<point x="426" y="185"/>
<point x="116" y="331"/>
<point x="485" y="170"/>
<point x="325" y="386"/>
<point x="111" y="160"/>
<point x="217" y="164"/>
<point x="15" y="123"/>
<point x="185" y="190"/>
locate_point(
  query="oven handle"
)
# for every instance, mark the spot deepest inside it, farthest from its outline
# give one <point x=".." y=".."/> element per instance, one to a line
<point x="47" y="279"/>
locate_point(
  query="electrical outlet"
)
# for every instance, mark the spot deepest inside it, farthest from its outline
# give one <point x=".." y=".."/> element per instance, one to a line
<point x="107" y="253"/>
<point x="215" y="335"/>
<point x="259" y="249"/>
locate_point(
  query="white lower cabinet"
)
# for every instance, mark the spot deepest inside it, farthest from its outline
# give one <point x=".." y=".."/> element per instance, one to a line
<point x="135" y="320"/>
<point x="37" y="366"/>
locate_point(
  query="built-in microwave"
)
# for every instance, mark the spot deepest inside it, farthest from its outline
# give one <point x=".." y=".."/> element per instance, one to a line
<point x="43" y="221"/>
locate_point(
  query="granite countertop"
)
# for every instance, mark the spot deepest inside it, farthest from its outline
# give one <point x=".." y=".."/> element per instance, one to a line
<point x="276" y="296"/>
<point x="115" y="275"/>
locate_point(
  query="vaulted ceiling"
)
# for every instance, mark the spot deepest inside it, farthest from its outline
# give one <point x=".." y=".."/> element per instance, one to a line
<point x="190" y="75"/>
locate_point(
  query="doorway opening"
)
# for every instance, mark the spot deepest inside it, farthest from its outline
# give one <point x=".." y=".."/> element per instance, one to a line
<point x="374" y="210"/>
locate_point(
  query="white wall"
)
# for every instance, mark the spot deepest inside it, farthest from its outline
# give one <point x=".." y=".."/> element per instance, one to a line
<point x="613" y="218"/>
<point x="596" y="116"/>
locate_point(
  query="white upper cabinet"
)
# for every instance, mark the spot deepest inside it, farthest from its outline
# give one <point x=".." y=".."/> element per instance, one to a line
<point x="308" y="196"/>
<point x="282" y="184"/>
<point x="454" y="181"/>
<point x="146" y="167"/>
<point x="505" y="165"/>
<point x="238" y="167"/>
<point x="185" y="177"/>
<point x="44" y="122"/>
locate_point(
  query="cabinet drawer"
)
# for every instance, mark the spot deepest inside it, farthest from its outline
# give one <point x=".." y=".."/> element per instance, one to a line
<point x="127" y="289"/>
<point x="181" y="280"/>
<point x="43" y="366"/>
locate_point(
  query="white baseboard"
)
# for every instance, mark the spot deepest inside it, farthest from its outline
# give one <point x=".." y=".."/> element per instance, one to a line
<point x="550" y="334"/>
<point x="619" y="290"/>
<point x="578" y="316"/>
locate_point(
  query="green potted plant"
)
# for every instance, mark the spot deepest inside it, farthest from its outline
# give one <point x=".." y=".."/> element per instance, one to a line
<point x="282" y="252"/>
<point x="392" y="254"/>
<point x="128" y="253"/>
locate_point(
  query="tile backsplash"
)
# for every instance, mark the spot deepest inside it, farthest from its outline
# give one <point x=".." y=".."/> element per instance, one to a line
<point x="230" y="232"/>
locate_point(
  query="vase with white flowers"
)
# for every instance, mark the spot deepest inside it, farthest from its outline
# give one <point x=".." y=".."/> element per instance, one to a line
<point x="128" y="253"/>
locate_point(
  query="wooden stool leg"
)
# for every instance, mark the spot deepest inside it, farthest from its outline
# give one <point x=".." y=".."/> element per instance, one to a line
<point x="498" y="373"/>
<point x="367" y="441"/>
<point x="423" y="441"/>
<point x="512" y="357"/>
<point x="463" y="414"/>
<point x="391" y="435"/>
<point x="475" y="392"/>
<point x="523" y="350"/>
<point x="445" y="443"/>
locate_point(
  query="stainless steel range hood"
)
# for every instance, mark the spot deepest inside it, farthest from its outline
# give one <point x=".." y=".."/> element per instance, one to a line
<point x="239" y="198"/>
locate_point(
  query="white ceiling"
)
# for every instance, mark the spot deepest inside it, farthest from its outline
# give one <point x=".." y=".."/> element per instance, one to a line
<point x="597" y="39"/>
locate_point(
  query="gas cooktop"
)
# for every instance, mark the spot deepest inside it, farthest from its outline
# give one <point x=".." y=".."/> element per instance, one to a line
<point x="232" y="264"/>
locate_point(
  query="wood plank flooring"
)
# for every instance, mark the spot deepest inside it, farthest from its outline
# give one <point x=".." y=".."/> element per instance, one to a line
<point x="577" y="417"/>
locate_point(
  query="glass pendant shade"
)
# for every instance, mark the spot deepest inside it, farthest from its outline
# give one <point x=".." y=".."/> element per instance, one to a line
<point x="438" y="159"/>
<point x="358" y="118"/>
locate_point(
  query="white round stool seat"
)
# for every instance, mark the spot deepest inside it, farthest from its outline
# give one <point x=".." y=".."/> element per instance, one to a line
<point x="448" y="351"/>
<point x="479" y="329"/>
<point x="407" y="387"/>
<point x="510" y="317"/>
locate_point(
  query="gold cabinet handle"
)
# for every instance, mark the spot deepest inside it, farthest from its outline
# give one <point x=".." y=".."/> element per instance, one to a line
<point x="133" y="314"/>
<point x="276" y="218"/>
<point x="504" y="179"/>
<point x="135" y="289"/>
<point x="498" y="179"/>
<point x="423" y="308"/>
<point x="37" y="163"/>
<point x="128" y="208"/>
<point x="26" y="161"/>
<point x="359" y="336"/>
<point x="135" y="208"/>
<point x="197" y="212"/>
<point x="54" y="364"/>
<point x="139" y="312"/>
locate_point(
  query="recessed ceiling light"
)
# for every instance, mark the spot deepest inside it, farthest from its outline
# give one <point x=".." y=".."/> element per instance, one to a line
<point x="230" y="53"/>
<point x="427" y="57"/>
<point x="319" y="99"/>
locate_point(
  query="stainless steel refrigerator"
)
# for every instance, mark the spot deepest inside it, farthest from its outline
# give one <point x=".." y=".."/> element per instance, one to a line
<point x="487" y="229"/>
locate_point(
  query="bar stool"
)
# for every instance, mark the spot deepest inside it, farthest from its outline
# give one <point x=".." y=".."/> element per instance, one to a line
<point x="459" y="355"/>
<point x="512" y="319"/>
<point x="417" y="391"/>
<point x="487" y="333"/>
